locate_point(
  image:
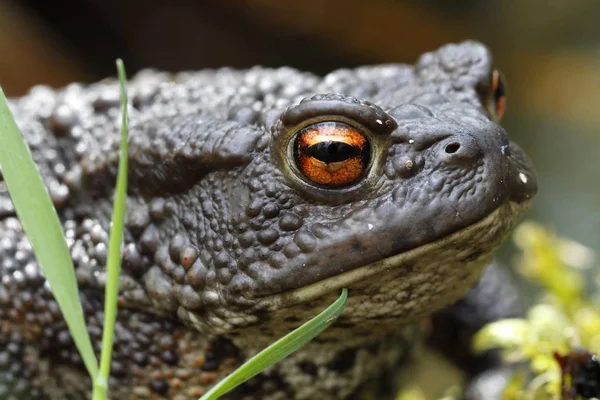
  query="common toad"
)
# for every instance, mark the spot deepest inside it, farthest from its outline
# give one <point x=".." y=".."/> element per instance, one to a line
<point x="255" y="196"/>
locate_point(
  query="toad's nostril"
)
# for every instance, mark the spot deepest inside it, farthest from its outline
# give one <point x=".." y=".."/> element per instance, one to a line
<point x="452" y="148"/>
<point x="460" y="150"/>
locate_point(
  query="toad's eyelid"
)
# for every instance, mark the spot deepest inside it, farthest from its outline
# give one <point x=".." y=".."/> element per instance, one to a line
<point x="327" y="105"/>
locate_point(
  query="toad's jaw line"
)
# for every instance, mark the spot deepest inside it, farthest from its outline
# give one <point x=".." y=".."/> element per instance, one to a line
<point x="347" y="279"/>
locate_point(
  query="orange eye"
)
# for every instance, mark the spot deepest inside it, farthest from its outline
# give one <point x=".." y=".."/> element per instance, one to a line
<point x="331" y="153"/>
<point x="498" y="95"/>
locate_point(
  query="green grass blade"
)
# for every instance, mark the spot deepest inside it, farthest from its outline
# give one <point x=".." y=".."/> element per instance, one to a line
<point x="114" y="249"/>
<point x="280" y="349"/>
<point x="42" y="226"/>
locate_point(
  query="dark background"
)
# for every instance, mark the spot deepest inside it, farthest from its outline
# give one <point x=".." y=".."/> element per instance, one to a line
<point x="548" y="50"/>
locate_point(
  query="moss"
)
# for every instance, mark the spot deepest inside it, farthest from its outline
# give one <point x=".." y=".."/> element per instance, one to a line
<point x="560" y="335"/>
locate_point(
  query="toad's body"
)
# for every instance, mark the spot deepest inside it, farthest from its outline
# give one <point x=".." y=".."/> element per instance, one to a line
<point x="238" y="230"/>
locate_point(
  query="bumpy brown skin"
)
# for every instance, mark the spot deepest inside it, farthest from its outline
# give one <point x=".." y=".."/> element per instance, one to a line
<point x="228" y="247"/>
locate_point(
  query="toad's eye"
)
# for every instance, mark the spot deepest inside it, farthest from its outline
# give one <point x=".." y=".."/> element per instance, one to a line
<point x="331" y="154"/>
<point x="497" y="101"/>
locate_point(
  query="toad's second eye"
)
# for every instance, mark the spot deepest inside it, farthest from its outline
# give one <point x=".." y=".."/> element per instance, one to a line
<point x="498" y="96"/>
<point x="331" y="154"/>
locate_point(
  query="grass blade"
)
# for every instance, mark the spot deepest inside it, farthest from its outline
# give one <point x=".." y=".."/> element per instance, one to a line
<point x="280" y="349"/>
<point x="114" y="250"/>
<point x="42" y="226"/>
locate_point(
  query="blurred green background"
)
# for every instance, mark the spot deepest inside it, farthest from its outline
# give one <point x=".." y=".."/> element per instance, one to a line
<point x="548" y="50"/>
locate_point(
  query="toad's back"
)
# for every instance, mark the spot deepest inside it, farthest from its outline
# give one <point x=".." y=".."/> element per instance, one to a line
<point x="254" y="196"/>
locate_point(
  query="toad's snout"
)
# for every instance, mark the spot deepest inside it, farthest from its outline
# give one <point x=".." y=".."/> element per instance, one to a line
<point x="522" y="179"/>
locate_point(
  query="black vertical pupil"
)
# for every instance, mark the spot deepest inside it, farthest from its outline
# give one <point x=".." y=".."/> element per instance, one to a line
<point x="331" y="151"/>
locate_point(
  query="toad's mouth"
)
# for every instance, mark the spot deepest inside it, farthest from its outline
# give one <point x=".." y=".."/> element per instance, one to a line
<point x="468" y="240"/>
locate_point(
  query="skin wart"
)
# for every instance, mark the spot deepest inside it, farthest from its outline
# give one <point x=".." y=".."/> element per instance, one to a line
<point x="229" y="244"/>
